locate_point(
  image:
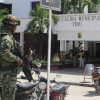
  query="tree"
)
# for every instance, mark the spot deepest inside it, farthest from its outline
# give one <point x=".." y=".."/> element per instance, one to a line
<point x="74" y="5"/>
<point x="95" y="5"/>
<point x="38" y="23"/>
<point x="2" y="12"/>
<point x="90" y="5"/>
<point x="65" y="6"/>
<point x="81" y="6"/>
<point x="77" y="6"/>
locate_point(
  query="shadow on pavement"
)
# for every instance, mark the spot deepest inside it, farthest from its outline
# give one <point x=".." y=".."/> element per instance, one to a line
<point x="90" y="94"/>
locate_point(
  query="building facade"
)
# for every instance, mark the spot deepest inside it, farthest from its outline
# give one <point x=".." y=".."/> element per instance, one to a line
<point x="71" y="28"/>
<point x="20" y="9"/>
<point x="79" y="28"/>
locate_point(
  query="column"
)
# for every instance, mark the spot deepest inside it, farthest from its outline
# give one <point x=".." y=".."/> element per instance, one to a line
<point x="86" y="9"/>
<point x="65" y="46"/>
<point x="76" y="43"/>
<point x="82" y="45"/>
<point x="62" y="49"/>
<point x="69" y="46"/>
<point x="22" y="39"/>
<point x="85" y="46"/>
<point x="62" y="45"/>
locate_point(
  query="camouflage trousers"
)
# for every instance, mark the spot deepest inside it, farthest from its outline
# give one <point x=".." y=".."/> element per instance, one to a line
<point x="8" y="80"/>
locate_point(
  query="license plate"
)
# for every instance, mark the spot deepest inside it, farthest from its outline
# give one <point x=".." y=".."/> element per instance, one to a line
<point x="95" y="78"/>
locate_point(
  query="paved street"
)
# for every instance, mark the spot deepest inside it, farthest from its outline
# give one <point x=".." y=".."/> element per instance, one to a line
<point x="81" y="93"/>
<point x="74" y="75"/>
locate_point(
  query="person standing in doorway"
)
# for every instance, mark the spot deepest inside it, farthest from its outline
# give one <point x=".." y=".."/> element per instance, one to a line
<point x="81" y="59"/>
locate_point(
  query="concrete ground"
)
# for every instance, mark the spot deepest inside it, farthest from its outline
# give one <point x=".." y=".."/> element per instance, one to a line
<point x="81" y="93"/>
<point x="75" y="75"/>
<point x="78" y="90"/>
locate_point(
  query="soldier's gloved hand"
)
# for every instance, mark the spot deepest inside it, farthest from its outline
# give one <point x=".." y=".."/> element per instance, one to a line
<point x="20" y="62"/>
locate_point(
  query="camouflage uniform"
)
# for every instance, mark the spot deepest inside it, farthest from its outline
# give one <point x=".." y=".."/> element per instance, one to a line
<point x="8" y="65"/>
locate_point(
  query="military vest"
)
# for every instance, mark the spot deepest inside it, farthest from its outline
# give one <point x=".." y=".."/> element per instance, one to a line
<point x="5" y="38"/>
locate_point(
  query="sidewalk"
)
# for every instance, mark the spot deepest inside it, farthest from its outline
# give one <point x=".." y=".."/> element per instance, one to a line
<point x="73" y="76"/>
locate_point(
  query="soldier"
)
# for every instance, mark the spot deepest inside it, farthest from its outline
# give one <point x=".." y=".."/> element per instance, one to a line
<point x="9" y="62"/>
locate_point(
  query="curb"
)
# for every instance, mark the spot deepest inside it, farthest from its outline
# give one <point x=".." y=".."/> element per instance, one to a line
<point x="80" y="84"/>
<point x="77" y="84"/>
<point x="71" y="83"/>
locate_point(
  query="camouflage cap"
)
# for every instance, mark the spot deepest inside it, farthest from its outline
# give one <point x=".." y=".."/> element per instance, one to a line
<point x="10" y="19"/>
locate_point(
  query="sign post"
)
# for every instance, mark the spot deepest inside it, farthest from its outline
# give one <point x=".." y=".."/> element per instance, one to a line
<point x="51" y="5"/>
<point x="49" y="54"/>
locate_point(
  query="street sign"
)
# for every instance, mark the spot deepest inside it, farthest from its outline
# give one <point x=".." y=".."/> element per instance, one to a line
<point x="53" y="4"/>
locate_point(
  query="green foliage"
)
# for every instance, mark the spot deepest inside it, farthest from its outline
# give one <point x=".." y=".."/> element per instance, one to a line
<point x="53" y="61"/>
<point x="72" y="6"/>
<point x="2" y="12"/>
<point x="65" y="6"/>
<point x="39" y="20"/>
<point x="77" y="6"/>
<point x="41" y="61"/>
<point x="95" y="5"/>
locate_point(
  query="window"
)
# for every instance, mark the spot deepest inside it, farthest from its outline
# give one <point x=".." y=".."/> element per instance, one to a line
<point x="8" y="6"/>
<point x="34" y="4"/>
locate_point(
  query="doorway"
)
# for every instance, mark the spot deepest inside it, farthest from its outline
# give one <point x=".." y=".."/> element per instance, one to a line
<point x="98" y="50"/>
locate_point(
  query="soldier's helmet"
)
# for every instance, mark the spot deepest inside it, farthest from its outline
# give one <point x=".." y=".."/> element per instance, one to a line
<point x="10" y="20"/>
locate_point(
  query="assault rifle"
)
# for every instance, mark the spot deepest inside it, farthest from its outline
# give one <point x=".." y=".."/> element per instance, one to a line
<point x="25" y="66"/>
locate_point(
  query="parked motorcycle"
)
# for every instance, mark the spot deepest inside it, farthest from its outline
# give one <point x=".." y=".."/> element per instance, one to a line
<point x="96" y="79"/>
<point x="25" y="90"/>
<point x="37" y="91"/>
<point x="57" y="92"/>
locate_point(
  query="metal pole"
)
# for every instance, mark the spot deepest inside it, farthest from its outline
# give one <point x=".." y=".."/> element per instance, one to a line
<point x="49" y="54"/>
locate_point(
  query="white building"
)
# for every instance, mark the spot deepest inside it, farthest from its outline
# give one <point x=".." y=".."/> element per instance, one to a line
<point x="68" y="28"/>
<point x="71" y="25"/>
<point x="20" y="9"/>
